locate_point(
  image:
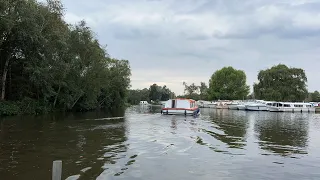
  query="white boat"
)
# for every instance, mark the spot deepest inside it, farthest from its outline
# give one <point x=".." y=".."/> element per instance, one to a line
<point x="233" y="105"/>
<point x="241" y="106"/>
<point x="212" y="104"/>
<point x="291" y="107"/>
<point x="257" y="105"/>
<point x="203" y="104"/>
<point x="222" y="104"/>
<point x="144" y="103"/>
<point x="180" y="106"/>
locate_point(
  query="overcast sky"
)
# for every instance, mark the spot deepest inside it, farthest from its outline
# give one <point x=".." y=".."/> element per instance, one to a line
<point x="171" y="41"/>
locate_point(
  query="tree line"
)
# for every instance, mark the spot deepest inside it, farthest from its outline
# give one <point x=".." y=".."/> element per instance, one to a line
<point x="155" y="93"/>
<point x="278" y="83"/>
<point x="47" y="64"/>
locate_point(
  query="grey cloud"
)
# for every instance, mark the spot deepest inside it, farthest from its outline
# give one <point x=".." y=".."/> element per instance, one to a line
<point x="134" y="33"/>
<point x="166" y="51"/>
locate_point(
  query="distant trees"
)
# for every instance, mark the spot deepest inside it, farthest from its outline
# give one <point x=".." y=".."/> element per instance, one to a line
<point x="196" y="92"/>
<point x="228" y="84"/>
<point x="315" y="96"/>
<point x="203" y="88"/>
<point x="137" y="95"/>
<point x="155" y="93"/>
<point x="47" y="64"/>
<point x="281" y="83"/>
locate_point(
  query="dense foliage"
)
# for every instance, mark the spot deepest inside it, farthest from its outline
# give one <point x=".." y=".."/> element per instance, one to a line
<point x="47" y="64"/>
<point x="195" y="92"/>
<point x="228" y="84"/>
<point x="314" y="96"/>
<point x="281" y="83"/>
<point x="155" y="93"/>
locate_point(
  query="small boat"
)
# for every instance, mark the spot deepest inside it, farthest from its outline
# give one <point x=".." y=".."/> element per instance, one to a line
<point x="212" y="104"/>
<point x="233" y="105"/>
<point x="144" y="103"/>
<point x="291" y="107"/>
<point x="257" y="105"/>
<point x="222" y="104"/>
<point x="180" y="106"/>
<point x="241" y="106"/>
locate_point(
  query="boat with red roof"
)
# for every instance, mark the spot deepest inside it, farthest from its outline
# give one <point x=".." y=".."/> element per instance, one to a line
<point x="180" y="106"/>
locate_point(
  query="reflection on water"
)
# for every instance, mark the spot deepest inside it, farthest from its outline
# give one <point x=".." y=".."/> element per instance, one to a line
<point x="233" y="124"/>
<point x="283" y="133"/>
<point x="144" y="144"/>
<point x="29" y="144"/>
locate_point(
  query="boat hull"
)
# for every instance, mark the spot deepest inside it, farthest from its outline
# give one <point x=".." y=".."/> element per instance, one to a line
<point x="233" y="106"/>
<point x="241" y="107"/>
<point x="180" y="111"/>
<point x="256" y="108"/>
<point x="290" y="109"/>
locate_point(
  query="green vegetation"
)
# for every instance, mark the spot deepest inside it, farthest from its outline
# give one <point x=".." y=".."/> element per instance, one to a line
<point x="228" y="84"/>
<point x="49" y="65"/>
<point x="313" y="96"/>
<point x="195" y="92"/>
<point x="155" y="93"/>
<point x="281" y="83"/>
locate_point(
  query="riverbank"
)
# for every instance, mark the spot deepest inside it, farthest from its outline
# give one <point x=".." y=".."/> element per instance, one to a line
<point x="30" y="107"/>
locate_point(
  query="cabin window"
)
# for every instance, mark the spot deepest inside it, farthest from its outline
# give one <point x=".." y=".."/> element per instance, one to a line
<point x="280" y="105"/>
<point x="298" y="105"/>
<point x="286" y="105"/>
<point x="308" y="105"/>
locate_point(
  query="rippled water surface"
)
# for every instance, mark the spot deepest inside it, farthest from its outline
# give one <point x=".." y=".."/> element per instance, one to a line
<point x="219" y="144"/>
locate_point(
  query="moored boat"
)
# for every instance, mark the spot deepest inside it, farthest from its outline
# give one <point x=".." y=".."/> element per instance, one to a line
<point x="257" y="105"/>
<point x="233" y="105"/>
<point x="222" y="104"/>
<point x="291" y="107"/>
<point x="180" y="106"/>
<point x="144" y="103"/>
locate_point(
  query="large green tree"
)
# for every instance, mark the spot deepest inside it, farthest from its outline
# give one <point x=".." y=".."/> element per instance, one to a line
<point x="47" y="64"/>
<point x="281" y="83"/>
<point x="160" y="93"/>
<point x="228" y="84"/>
<point x="203" y="88"/>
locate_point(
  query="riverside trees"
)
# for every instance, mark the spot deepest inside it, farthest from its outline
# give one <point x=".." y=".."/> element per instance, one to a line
<point x="47" y="64"/>
<point x="281" y="83"/>
<point x="228" y="84"/>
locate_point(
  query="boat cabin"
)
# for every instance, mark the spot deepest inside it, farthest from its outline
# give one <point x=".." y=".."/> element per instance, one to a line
<point x="180" y="103"/>
<point x="180" y="106"/>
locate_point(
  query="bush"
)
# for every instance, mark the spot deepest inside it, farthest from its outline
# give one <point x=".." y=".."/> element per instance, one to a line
<point x="8" y="108"/>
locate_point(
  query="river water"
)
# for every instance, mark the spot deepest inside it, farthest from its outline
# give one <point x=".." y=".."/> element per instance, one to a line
<point x="219" y="144"/>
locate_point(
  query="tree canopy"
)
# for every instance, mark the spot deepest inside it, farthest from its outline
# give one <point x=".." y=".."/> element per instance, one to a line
<point x="159" y="93"/>
<point x="196" y="92"/>
<point x="228" y="84"/>
<point x="315" y="96"/>
<point x="154" y="93"/>
<point x="281" y="83"/>
<point x="48" y="64"/>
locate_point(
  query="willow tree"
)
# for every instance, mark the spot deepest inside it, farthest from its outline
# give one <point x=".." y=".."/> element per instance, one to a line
<point x="47" y="64"/>
<point x="281" y="83"/>
<point x="228" y="84"/>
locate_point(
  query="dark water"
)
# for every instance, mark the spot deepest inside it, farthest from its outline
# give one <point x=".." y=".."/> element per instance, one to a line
<point x="220" y="144"/>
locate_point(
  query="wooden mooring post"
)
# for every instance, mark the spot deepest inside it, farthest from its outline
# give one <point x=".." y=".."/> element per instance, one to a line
<point x="56" y="170"/>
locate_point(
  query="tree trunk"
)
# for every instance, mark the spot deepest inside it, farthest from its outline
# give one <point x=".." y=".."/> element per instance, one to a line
<point x="55" y="100"/>
<point x="76" y="101"/>
<point x="4" y="78"/>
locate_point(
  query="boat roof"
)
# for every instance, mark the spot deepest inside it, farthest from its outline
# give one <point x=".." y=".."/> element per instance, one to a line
<point x="293" y="102"/>
<point x="191" y="100"/>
